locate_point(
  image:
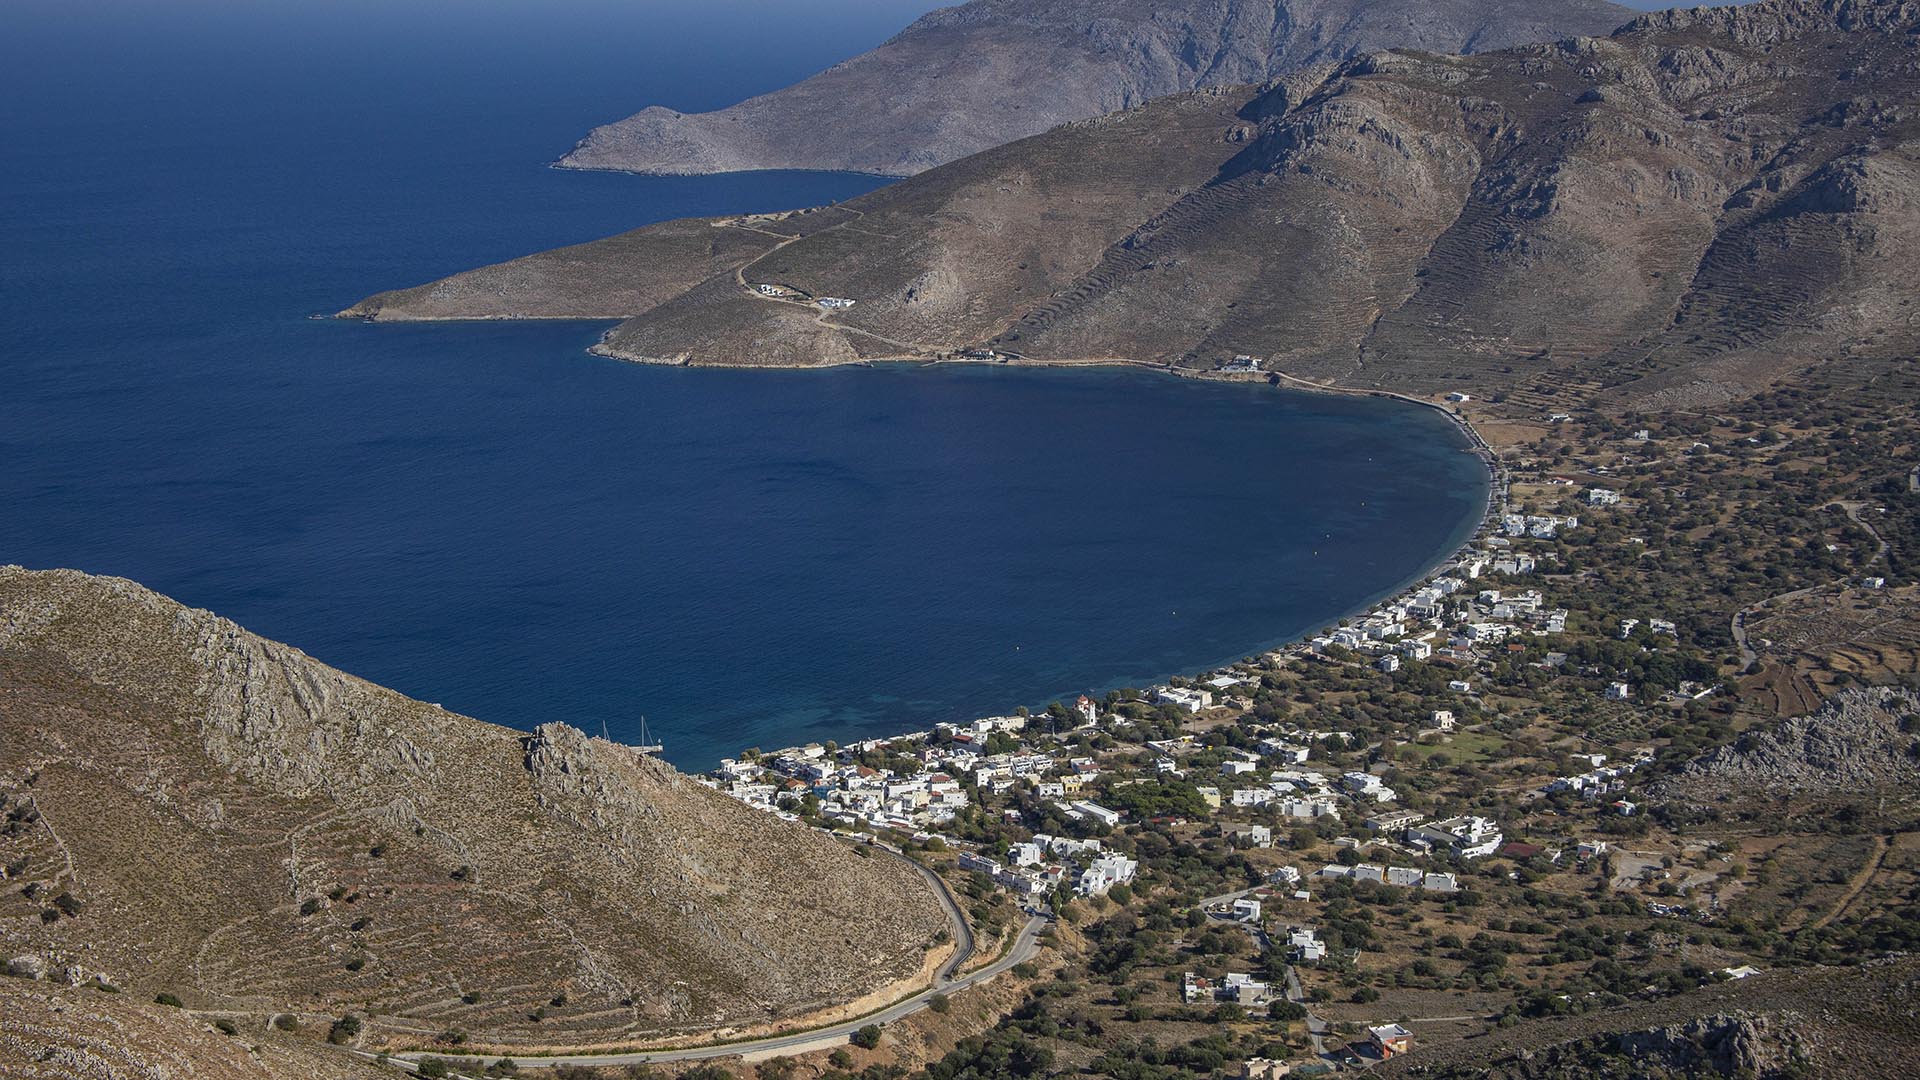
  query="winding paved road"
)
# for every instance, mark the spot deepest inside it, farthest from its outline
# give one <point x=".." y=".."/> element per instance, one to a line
<point x="1024" y="947"/>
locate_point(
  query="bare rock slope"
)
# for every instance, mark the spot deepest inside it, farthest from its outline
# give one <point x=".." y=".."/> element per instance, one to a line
<point x="1674" y="214"/>
<point x="966" y="78"/>
<point x="1863" y="740"/>
<point x="194" y="810"/>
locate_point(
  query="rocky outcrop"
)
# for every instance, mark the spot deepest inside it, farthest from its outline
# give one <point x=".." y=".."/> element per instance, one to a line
<point x="1727" y="1045"/>
<point x="224" y="818"/>
<point x="1862" y="740"/>
<point x="984" y="73"/>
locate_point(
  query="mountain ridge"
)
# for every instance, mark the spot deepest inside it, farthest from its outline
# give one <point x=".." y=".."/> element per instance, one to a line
<point x="1676" y="213"/>
<point x="966" y="78"/>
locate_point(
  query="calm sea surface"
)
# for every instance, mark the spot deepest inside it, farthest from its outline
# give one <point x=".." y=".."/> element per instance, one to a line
<point x="485" y="516"/>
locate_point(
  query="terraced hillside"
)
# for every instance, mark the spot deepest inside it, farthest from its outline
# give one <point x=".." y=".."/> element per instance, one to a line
<point x="970" y="77"/>
<point x="192" y="810"/>
<point x="1856" y="1022"/>
<point x="1675" y="214"/>
<point x="61" y="1033"/>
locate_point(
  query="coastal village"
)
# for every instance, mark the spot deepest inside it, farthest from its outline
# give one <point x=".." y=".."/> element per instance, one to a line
<point x="1452" y="810"/>
<point x="1259" y="760"/>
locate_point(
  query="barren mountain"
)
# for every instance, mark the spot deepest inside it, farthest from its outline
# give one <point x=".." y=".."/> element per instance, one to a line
<point x="186" y="808"/>
<point x="1682" y="210"/>
<point x="966" y="78"/>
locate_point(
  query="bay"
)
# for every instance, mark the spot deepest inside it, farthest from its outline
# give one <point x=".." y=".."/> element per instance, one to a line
<point x="484" y="515"/>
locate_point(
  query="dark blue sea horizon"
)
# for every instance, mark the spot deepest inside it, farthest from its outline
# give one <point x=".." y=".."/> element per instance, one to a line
<point x="484" y="515"/>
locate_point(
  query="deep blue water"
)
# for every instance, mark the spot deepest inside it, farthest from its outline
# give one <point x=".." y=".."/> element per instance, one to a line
<point x="485" y="516"/>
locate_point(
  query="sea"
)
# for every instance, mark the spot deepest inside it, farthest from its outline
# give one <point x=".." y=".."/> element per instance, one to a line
<point x="484" y="515"/>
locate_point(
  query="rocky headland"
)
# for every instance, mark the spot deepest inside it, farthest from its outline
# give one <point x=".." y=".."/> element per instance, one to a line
<point x="1671" y="215"/>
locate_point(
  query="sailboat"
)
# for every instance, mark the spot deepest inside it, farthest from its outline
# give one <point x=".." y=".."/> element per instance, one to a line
<point x="646" y="745"/>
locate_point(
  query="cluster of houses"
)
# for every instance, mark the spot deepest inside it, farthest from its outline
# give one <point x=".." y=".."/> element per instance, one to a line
<point x="1600" y="780"/>
<point x="787" y="292"/>
<point x="1292" y="793"/>
<point x="1537" y="526"/>
<point x="1403" y="876"/>
<point x="848" y="793"/>
<point x="1042" y="865"/>
<point x="1446" y="618"/>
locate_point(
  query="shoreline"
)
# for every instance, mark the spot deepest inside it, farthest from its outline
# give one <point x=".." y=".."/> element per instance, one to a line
<point x="1476" y="443"/>
<point x="1275" y="378"/>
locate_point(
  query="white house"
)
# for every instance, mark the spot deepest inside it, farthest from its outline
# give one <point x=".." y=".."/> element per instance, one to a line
<point x="1097" y="812"/>
<point x="1104" y="873"/>
<point x="1619" y="692"/>
<point x="1467" y="837"/>
<point x="1260" y="836"/>
<point x="1367" y="787"/>
<point x="1190" y="700"/>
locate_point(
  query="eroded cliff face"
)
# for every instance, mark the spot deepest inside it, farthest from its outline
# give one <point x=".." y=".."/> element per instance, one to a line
<point x="967" y="78"/>
<point x="1669" y="216"/>
<point x="204" y="812"/>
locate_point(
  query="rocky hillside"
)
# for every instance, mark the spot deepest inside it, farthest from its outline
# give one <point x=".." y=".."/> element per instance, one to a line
<point x="966" y="78"/>
<point x="1680" y="211"/>
<point x="65" y="1033"/>
<point x="1857" y="1022"/>
<point x="1863" y="740"/>
<point x="190" y="809"/>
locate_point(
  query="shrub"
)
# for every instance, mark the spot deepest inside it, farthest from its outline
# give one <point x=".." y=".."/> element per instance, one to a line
<point x="344" y="1030"/>
<point x="165" y="998"/>
<point x="940" y="1004"/>
<point x="310" y="906"/>
<point x="867" y="1037"/>
<point x="286" y="1022"/>
<point x="226" y="1027"/>
<point x="433" y="1068"/>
